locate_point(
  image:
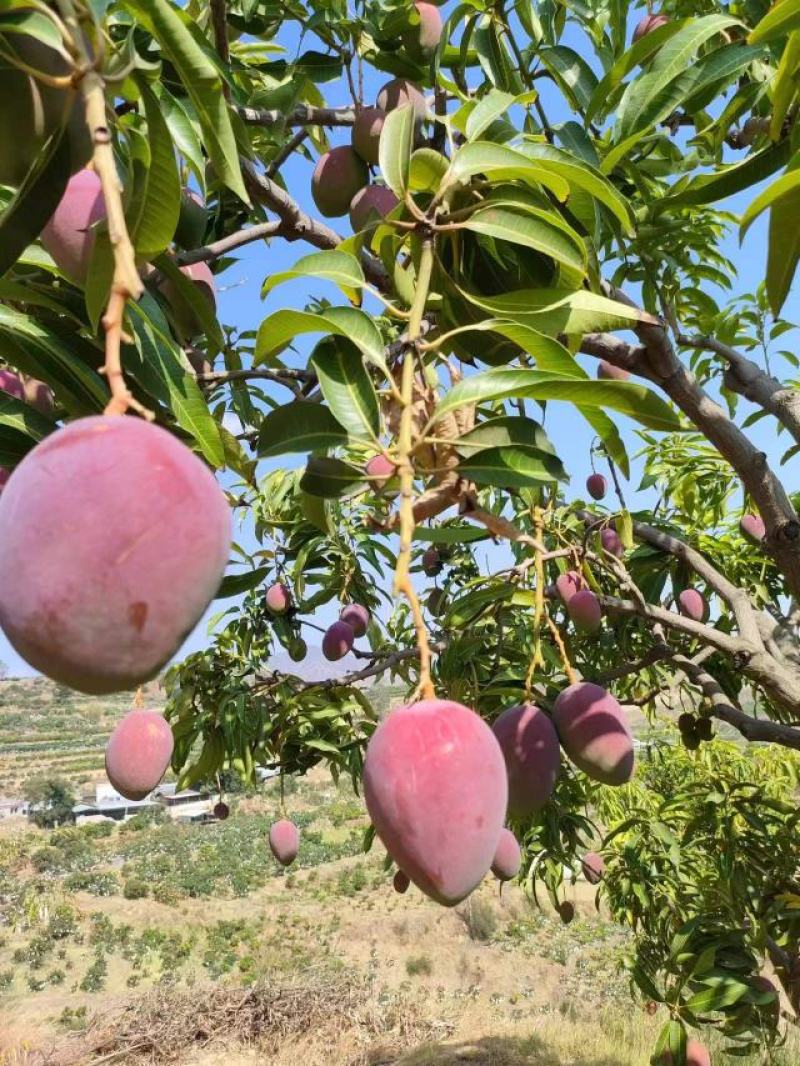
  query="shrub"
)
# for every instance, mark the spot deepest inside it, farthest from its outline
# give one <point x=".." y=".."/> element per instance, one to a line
<point x="419" y="966"/>
<point x="134" y="889"/>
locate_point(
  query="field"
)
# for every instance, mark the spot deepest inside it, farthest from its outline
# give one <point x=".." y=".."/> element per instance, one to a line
<point x="167" y="943"/>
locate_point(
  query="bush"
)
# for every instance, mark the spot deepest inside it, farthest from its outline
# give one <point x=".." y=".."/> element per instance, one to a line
<point x="135" y="889"/>
<point x="95" y="977"/>
<point x="419" y="966"/>
<point x="480" y="918"/>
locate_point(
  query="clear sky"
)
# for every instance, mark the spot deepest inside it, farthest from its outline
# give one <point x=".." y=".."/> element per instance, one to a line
<point x="239" y="302"/>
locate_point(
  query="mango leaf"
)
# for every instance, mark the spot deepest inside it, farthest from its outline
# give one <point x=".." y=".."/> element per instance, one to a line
<point x="494" y="57"/>
<point x="339" y="267"/>
<point x="152" y="216"/>
<point x="450" y="534"/>
<point x="712" y="188"/>
<point x="300" y="426"/>
<point x="278" y="329"/>
<point x="513" y="466"/>
<point x="36" y="199"/>
<point x="502" y="163"/>
<point x="331" y="478"/>
<point x="633" y="400"/>
<point x="576" y="78"/>
<point x="160" y="357"/>
<point x="21" y="427"/>
<point x="781" y="19"/>
<point x="784" y="87"/>
<point x="557" y="311"/>
<point x="673" y="60"/>
<point x="197" y="303"/>
<point x="533" y="228"/>
<point x="488" y="109"/>
<point x="502" y="431"/>
<point x="636" y="55"/>
<point x="787" y="183"/>
<point x="32" y="348"/>
<point x="202" y="81"/>
<point x="721" y="992"/>
<point x="236" y="584"/>
<point x="347" y="388"/>
<point x="394" y="150"/>
<point x="582" y="175"/>
<point x="609" y="435"/>
<point x="783" y="246"/>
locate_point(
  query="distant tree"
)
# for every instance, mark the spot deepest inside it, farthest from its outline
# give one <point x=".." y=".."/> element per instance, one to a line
<point x="51" y="801"/>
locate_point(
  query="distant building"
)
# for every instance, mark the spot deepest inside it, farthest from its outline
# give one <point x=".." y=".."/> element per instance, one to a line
<point x="187" y="805"/>
<point x="13" y="806"/>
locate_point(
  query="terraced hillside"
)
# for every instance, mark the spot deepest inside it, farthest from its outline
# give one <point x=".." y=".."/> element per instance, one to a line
<point x="48" y="729"/>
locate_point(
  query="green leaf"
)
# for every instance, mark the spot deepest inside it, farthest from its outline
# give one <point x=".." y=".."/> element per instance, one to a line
<point x="505" y="164"/>
<point x="784" y="87"/>
<point x="394" y="150"/>
<point x="427" y="169"/>
<point x="300" y="426"/>
<point x="572" y="73"/>
<point x="339" y="267"/>
<point x="161" y="359"/>
<point x="783" y="248"/>
<point x="672" y="61"/>
<point x="236" y="584"/>
<point x="557" y="311"/>
<point x="502" y="431"/>
<point x="532" y="228"/>
<point x="278" y="329"/>
<point x="331" y="478"/>
<point x="582" y="175"/>
<point x="723" y="992"/>
<point x="196" y="300"/>
<point x="488" y="109"/>
<point x="636" y="55"/>
<point x="786" y="184"/>
<point x="712" y="188"/>
<point x="202" y="82"/>
<point x="780" y="20"/>
<point x="347" y="388"/>
<point x="153" y="214"/>
<point x="450" y="534"/>
<point x="36" y="199"/>
<point x="494" y="58"/>
<point x="32" y="348"/>
<point x="633" y="400"/>
<point x="21" y="427"/>
<point x="609" y="435"/>
<point x="513" y="466"/>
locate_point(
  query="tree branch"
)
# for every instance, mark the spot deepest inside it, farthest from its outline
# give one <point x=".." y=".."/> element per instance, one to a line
<point x="209" y="252"/>
<point x="752" y="729"/>
<point x="301" y="116"/>
<point x="707" y="634"/>
<point x="657" y="361"/>
<point x="746" y="378"/>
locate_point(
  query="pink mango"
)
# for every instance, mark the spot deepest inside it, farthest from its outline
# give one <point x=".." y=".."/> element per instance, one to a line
<point x="113" y="540"/>
<point x="594" y="733"/>
<point x="532" y="754"/>
<point x="337" y="641"/>
<point x="609" y="372"/>
<point x="568" y="584"/>
<point x="138" y="753"/>
<point x="278" y="598"/>
<point x="611" y="542"/>
<point x="436" y="789"/>
<point x="593" y="867"/>
<point x="752" y="527"/>
<point x="693" y="605"/>
<point x="370" y="205"/>
<point x="68" y="235"/>
<point x="507" y="857"/>
<point x="356" y="616"/>
<point x="596" y="486"/>
<point x="585" y="611"/>
<point x="284" y="841"/>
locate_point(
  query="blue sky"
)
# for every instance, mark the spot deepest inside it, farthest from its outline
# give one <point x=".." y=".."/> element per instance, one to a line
<point x="239" y="302"/>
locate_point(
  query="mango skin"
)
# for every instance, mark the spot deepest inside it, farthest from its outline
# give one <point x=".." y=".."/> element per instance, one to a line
<point x="366" y="136"/>
<point x="284" y="841"/>
<point x="594" y="733"/>
<point x="337" y="177"/>
<point x="113" y="538"/>
<point x="436" y="790"/>
<point x="507" y="857"/>
<point x="337" y="641"/>
<point x="532" y="754"/>
<point x="138" y="753"/>
<point x="68" y="235"/>
<point x="370" y="205"/>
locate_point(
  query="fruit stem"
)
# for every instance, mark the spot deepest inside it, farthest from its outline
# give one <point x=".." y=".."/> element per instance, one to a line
<point x="569" y="669"/>
<point x="537" y="659"/>
<point x="126" y="283"/>
<point x="405" y="447"/>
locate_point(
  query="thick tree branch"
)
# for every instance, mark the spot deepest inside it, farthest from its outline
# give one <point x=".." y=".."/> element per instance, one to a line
<point x="706" y="634"/>
<point x="301" y="116"/>
<point x="296" y="225"/>
<point x="209" y="252"/>
<point x="658" y="653"/>
<point x="746" y="378"/>
<point x="658" y="362"/>
<point x="753" y="729"/>
<point x="288" y="377"/>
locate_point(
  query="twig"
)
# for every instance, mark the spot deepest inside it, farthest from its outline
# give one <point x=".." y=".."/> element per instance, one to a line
<point x="301" y="116"/>
<point x="209" y="252"/>
<point x="405" y="445"/>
